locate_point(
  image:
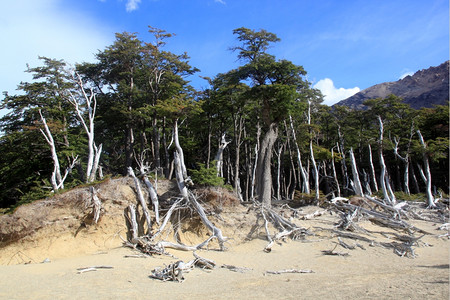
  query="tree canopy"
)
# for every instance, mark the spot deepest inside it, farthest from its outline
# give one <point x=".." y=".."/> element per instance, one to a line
<point x="263" y="120"/>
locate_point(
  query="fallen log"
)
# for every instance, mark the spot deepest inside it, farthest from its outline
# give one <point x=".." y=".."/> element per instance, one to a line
<point x="288" y="271"/>
<point x="93" y="268"/>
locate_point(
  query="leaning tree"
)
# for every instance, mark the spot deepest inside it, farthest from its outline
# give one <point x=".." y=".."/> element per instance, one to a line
<point x="275" y="85"/>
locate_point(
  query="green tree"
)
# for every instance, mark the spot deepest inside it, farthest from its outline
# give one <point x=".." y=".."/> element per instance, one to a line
<point x="275" y="86"/>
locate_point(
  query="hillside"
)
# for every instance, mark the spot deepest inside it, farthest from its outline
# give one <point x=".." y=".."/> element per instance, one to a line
<point x="423" y="89"/>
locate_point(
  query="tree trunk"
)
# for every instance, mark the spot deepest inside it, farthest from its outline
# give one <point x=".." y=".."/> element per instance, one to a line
<point x="356" y="181"/>
<point x="153" y="197"/>
<point x="385" y="185"/>
<point x="179" y="149"/>
<point x="129" y="141"/>
<point x="141" y="200"/>
<point x="219" y="156"/>
<point x="166" y="152"/>
<point x="372" y="170"/>
<point x="304" y="174"/>
<point x="56" y="179"/>
<point x="263" y="172"/>
<point x="315" y="170"/>
<point x="156" y="145"/>
<point x="255" y="164"/>
<point x="426" y="164"/>
<point x="313" y="160"/>
<point x="237" y="145"/>
<point x="338" y="189"/>
<point x="343" y="163"/>
<point x="279" y="154"/>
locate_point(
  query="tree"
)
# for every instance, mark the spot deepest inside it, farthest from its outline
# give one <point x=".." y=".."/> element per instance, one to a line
<point x="90" y="101"/>
<point x="164" y="78"/>
<point x="116" y="76"/>
<point x="275" y="86"/>
<point x="42" y="106"/>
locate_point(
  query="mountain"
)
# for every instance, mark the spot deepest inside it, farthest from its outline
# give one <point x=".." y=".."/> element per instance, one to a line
<point x="423" y="89"/>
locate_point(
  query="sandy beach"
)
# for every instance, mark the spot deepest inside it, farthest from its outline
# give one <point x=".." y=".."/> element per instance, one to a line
<point x="374" y="273"/>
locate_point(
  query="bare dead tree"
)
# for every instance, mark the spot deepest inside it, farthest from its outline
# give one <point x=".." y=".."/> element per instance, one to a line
<point x="313" y="160"/>
<point x="258" y="134"/>
<point x="304" y="174"/>
<point x="372" y="170"/>
<point x="338" y="189"/>
<point x="56" y="180"/>
<point x="404" y="159"/>
<point x="144" y="169"/>
<point x="94" y="151"/>
<point x="141" y="200"/>
<point x="384" y="178"/>
<point x="356" y="181"/>
<point x="219" y="156"/>
<point x="427" y="176"/>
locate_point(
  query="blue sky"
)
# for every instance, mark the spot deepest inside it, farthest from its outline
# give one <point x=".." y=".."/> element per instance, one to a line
<point x="344" y="45"/>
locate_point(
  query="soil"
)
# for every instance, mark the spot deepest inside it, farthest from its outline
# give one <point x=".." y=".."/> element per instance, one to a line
<point x="44" y="243"/>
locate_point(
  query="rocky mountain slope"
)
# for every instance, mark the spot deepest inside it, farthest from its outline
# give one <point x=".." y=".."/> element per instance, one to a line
<point x="423" y="89"/>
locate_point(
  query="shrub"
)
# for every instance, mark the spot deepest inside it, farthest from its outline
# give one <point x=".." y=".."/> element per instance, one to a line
<point x="206" y="176"/>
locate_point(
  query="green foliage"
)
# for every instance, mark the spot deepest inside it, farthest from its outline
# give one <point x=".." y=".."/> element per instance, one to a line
<point x="142" y="89"/>
<point x="206" y="176"/>
<point x="401" y="196"/>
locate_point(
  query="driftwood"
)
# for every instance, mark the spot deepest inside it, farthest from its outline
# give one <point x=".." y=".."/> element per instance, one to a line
<point x="288" y="271"/>
<point x="315" y="214"/>
<point x="153" y="197"/>
<point x="96" y="205"/>
<point x="236" y="269"/>
<point x="175" y="271"/>
<point x="285" y="227"/>
<point x="93" y="268"/>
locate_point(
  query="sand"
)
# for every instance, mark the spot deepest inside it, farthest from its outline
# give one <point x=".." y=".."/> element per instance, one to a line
<point x="374" y="273"/>
<point x="51" y="239"/>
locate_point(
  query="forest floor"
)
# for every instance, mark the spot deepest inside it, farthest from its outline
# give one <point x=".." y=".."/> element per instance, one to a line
<point x="45" y="243"/>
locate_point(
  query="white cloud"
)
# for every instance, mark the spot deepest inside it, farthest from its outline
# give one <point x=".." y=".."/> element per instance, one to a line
<point x="333" y="94"/>
<point x="406" y="74"/>
<point x="220" y="1"/>
<point x="32" y="28"/>
<point x="132" y="5"/>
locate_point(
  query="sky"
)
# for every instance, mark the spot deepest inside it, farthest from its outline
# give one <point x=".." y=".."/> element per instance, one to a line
<point x="344" y="45"/>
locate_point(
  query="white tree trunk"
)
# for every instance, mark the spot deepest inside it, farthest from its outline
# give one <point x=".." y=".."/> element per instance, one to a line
<point x="279" y="154"/>
<point x="338" y="189"/>
<point x="372" y="170"/>
<point x="94" y="152"/>
<point x="56" y="179"/>
<point x="96" y="204"/>
<point x="219" y="156"/>
<point x="315" y="170"/>
<point x="191" y="199"/>
<point x="153" y="196"/>
<point x="255" y="164"/>
<point x="341" y="150"/>
<point x="405" y="160"/>
<point x="313" y="160"/>
<point x="356" y="180"/>
<point x="141" y="200"/>
<point x="304" y="174"/>
<point x="385" y="185"/>
<point x="427" y="175"/>
<point x="179" y="149"/>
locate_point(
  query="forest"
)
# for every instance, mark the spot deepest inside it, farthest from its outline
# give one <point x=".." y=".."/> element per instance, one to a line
<point x="259" y="129"/>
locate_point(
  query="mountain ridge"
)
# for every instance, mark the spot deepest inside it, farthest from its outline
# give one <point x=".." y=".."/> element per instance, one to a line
<point x="425" y="88"/>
